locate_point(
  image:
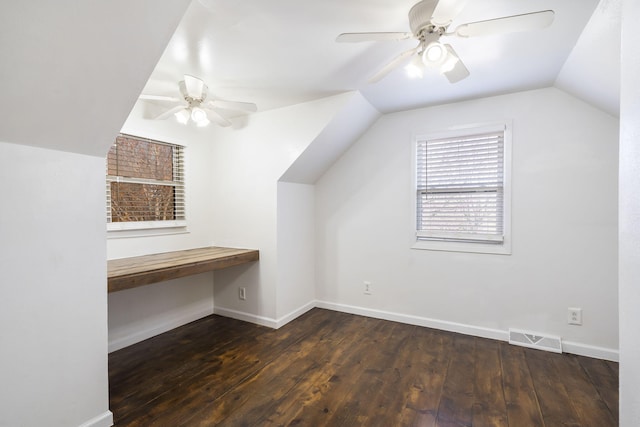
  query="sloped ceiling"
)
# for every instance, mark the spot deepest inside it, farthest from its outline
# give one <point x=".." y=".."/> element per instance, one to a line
<point x="349" y="123"/>
<point x="72" y="70"/>
<point x="282" y="52"/>
<point x="592" y="71"/>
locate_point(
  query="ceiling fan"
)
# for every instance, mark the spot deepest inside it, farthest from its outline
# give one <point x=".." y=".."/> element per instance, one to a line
<point x="429" y="20"/>
<point x="195" y="106"/>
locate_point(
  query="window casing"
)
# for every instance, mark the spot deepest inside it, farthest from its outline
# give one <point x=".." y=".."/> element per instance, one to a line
<point x="145" y="184"/>
<point x="462" y="183"/>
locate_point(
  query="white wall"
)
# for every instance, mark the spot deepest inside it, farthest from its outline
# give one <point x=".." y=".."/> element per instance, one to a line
<point x="247" y="164"/>
<point x="564" y="251"/>
<point x="53" y="300"/>
<point x="296" y="249"/>
<point x="140" y="313"/>
<point x="630" y="218"/>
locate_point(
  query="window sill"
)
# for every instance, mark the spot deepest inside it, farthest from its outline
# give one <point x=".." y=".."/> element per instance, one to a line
<point x="479" y="248"/>
<point x="145" y="228"/>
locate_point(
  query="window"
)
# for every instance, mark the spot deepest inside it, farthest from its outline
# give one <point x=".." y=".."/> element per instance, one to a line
<point x="145" y="184"/>
<point x="462" y="190"/>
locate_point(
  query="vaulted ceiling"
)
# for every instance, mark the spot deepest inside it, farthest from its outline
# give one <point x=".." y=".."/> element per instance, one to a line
<point x="71" y="71"/>
<point x="282" y="52"/>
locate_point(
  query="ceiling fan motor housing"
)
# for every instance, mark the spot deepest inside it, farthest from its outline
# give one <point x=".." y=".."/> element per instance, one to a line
<point x="190" y="95"/>
<point x="420" y="15"/>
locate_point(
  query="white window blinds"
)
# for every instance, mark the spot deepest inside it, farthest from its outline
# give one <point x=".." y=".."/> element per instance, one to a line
<point x="460" y="187"/>
<point x="145" y="181"/>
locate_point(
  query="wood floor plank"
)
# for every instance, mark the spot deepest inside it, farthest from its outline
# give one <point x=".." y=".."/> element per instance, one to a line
<point x="614" y="366"/>
<point x="379" y="375"/>
<point x="521" y="401"/>
<point x="591" y="410"/>
<point x="489" y="408"/>
<point x="258" y="399"/>
<point x="132" y="385"/>
<point x="189" y="355"/>
<point x="456" y="402"/>
<point x="219" y="373"/>
<point x="604" y="375"/>
<point x="397" y="380"/>
<point x="365" y="398"/>
<point x="335" y="369"/>
<point x="294" y="409"/>
<point x="555" y="403"/>
<point x="336" y="397"/>
<point x="429" y="362"/>
<point x="253" y="399"/>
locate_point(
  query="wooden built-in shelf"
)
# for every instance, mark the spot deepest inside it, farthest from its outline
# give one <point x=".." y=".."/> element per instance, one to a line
<point x="126" y="273"/>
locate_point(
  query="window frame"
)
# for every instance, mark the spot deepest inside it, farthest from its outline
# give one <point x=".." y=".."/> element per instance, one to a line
<point x="443" y="244"/>
<point x="175" y="225"/>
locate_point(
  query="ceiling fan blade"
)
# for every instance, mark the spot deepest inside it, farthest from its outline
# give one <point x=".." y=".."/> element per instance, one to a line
<point x="160" y="98"/>
<point x="446" y="11"/>
<point x="508" y="24"/>
<point x="459" y="71"/>
<point x="395" y="63"/>
<point x="194" y="87"/>
<point x="371" y="37"/>
<point x="217" y="118"/>
<point x="169" y="113"/>
<point x="233" y="105"/>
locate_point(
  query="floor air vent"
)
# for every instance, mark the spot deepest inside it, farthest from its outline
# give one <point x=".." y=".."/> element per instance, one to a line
<point x="535" y="340"/>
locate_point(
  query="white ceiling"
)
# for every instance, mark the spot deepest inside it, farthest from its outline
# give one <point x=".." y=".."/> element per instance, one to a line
<point x="592" y="71"/>
<point x="282" y="52"/>
<point x="78" y="67"/>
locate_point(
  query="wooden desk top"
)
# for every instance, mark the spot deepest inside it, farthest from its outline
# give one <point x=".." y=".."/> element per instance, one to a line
<point x="126" y="273"/>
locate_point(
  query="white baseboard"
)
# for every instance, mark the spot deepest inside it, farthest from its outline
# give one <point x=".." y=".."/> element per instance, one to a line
<point x="103" y="420"/>
<point x="246" y="317"/>
<point x="167" y="325"/>
<point x="591" y="351"/>
<point x="295" y="314"/>
<point x="265" y="321"/>
<point x="496" y="334"/>
<point x="460" y="328"/>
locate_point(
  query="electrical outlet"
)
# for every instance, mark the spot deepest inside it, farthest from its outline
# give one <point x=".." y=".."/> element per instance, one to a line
<point x="242" y="293"/>
<point x="367" y="288"/>
<point x="574" y="316"/>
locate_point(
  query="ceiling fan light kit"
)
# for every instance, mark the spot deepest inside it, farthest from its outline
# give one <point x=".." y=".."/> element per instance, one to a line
<point x="415" y="67"/>
<point x="183" y="116"/>
<point x="437" y="56"/>
<point x="199" y="116"/>
<point x="197" y="109"/>
<point x="429" y="20"/>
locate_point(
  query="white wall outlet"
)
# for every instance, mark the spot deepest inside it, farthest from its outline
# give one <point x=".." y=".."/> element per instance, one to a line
<point x="242" y="293"/>
<point x="574" y="316"/>
<point x="367" y="288"/>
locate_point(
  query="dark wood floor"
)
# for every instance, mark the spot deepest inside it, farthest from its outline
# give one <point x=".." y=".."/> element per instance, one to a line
<point x="334" y="369"/>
